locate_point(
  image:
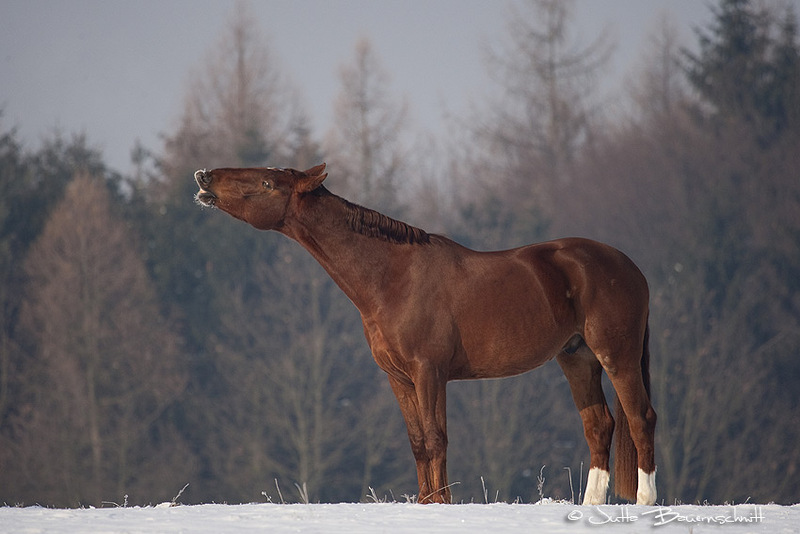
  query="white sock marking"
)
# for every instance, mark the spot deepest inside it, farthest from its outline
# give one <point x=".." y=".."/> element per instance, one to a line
<point x="646" y="493"/>
<point x="596" y="487"/>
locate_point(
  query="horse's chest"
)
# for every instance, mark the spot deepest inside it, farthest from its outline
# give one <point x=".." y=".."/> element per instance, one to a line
<point x="400" y="340"/>
<point x="384" y="351"/>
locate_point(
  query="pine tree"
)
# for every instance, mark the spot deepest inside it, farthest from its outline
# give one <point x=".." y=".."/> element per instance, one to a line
<point x="747" y="68"/>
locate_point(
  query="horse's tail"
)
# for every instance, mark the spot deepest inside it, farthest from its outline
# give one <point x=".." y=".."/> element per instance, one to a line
<point x="625" y="456"/>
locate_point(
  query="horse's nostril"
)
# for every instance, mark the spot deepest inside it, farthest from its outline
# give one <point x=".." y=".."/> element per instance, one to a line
<point x="202" y="178"/>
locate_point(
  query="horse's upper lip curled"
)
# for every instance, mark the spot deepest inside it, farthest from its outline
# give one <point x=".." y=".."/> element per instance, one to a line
<point x="206" y="198"/>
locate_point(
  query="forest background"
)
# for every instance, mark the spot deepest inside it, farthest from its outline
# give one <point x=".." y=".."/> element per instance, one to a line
<point x="146" y="342"/>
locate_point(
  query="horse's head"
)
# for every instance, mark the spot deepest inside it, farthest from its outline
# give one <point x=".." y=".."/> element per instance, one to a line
<point x="259" y="196"/>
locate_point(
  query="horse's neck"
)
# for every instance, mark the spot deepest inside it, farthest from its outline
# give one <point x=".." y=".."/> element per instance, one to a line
<point x="356" y="263"/>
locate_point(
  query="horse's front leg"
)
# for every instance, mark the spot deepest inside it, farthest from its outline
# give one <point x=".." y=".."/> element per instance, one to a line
<point x="407" y="399"/>
<point x="430" y="385"/>
<point x="424" y="408"/>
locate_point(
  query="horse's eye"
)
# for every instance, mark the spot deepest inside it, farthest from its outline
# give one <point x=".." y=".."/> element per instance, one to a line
<point x="267" y="185"/>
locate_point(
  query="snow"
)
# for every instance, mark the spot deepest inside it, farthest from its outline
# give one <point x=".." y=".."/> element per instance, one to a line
<point x="400" y="518"/>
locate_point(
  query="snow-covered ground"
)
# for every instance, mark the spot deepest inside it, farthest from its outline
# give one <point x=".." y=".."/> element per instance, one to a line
<point x="400" y="518"/>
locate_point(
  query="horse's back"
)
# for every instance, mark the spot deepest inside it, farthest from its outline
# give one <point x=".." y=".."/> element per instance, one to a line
<point x="599" y="272"/>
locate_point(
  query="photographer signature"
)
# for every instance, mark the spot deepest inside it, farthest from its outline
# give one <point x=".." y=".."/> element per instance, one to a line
<point x="664" y="515"/>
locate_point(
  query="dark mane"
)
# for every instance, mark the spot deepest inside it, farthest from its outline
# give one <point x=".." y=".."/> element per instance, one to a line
<point x="373" y="224"/>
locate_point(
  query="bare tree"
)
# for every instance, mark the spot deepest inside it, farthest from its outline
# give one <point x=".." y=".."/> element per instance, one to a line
<point x="366" y="145"/>
<point x="238" y="108"/>
<point x="106" y="360"/>
<point x="660" y="88"/>
<point x="548" y="81"/>
<point x="301" y="385"/>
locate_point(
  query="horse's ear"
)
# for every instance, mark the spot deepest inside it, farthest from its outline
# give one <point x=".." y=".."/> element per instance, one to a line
<point x="312" y="178"/>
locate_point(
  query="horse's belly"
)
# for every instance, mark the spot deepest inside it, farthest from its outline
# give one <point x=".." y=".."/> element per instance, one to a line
<point x="497" y="356"/>
<point x="512" y="315"/>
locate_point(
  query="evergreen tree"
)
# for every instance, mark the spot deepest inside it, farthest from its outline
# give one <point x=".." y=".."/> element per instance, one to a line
<point x="12" y="187"/>
<point x="747" y="68"/>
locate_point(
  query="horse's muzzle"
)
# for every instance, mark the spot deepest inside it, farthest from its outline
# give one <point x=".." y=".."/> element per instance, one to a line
<point x="204" y="196"/>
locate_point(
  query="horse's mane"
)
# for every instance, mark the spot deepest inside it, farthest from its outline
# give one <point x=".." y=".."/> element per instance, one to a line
<point x="373" y="224"/>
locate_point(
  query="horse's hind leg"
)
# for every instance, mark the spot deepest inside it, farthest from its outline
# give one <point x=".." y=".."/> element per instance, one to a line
<point x="641" y="422"/>
<point x="584" y="374"/>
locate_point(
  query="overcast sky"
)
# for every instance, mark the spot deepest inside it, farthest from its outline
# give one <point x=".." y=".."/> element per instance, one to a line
<point x="118" y="70"/>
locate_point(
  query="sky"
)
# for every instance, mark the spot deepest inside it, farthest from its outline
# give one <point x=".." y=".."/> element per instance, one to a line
<point x="117" y="70"/>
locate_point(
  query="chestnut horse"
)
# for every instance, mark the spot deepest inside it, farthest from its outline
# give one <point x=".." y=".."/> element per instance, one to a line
<point x="435" y="311"/>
